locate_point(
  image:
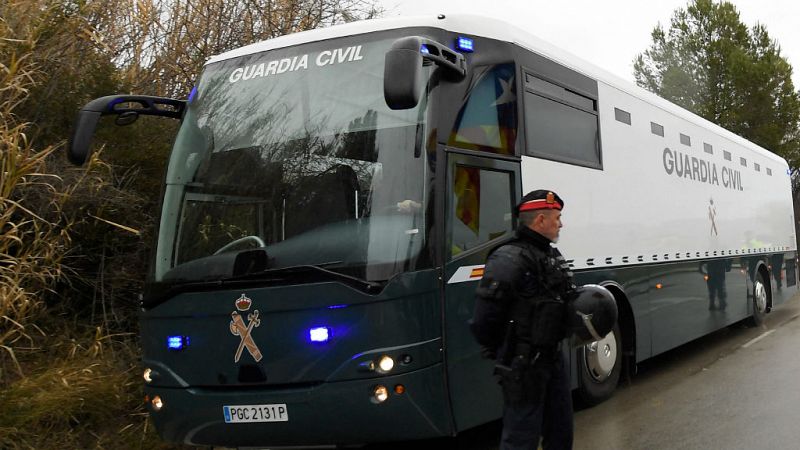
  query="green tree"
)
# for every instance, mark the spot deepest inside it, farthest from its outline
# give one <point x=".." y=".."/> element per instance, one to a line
<point x="712" y="64"/>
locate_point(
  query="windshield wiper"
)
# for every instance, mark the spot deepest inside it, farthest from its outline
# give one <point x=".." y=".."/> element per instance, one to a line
<point x="308" y="273"/>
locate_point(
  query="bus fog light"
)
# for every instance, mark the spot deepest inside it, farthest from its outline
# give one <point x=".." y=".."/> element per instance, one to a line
<point x="157" y="403"/>
<point x="380" y="394"/>
<point x="386" y="363"/>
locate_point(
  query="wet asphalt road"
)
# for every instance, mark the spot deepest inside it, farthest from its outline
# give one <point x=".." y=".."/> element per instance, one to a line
<point x="738" y="388"/>
<point x="735" y="389"/>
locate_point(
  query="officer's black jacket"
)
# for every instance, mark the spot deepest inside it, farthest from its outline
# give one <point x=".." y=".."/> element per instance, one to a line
<point x="528" y="266"/>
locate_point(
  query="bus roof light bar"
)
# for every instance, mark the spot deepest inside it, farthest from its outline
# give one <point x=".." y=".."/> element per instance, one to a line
<point x="465" y="44"/>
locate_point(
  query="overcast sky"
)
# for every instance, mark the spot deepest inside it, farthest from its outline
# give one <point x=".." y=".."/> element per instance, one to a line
<point x="610" y="33"/>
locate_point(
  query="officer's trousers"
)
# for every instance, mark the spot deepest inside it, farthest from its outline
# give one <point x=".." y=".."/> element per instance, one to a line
<point x="551" y="419"/>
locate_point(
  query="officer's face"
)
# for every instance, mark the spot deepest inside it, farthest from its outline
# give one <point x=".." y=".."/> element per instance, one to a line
<point x="550" y="225"/>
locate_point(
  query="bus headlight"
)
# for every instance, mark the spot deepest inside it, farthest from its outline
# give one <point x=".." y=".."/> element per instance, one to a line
<point x="148" y="375"/>
<point x="157" y="403"/>
<point x="386" y="363"/>
<point x="380" y="394"/>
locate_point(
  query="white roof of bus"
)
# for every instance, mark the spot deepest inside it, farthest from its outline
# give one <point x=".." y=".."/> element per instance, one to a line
<point x="492" y="28"/>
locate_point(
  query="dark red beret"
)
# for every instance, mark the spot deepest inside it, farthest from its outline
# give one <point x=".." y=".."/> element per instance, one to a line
<point x="540" y="199"/>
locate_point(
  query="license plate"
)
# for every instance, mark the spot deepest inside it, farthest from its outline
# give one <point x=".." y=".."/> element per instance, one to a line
<point x="256" y="413"/>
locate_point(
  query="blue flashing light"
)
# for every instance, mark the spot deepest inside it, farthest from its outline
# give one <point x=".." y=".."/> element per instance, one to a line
<point x="319" y="334"/>
<point x="424" y="50"/>
<point x="177" y="342"/>
<point x="337" y="306"/>
<point x="192" y="93"/>
<point x="465" y="44"/>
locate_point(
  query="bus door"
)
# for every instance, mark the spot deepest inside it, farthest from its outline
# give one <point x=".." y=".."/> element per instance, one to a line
<point x="481" y="192"/>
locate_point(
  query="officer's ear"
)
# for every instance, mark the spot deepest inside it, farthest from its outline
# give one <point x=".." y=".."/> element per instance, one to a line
<point x="539" y="218"/>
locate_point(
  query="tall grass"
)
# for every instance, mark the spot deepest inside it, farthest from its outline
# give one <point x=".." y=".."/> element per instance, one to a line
<point x="33" y="232"/>
<point x="66" y="380"/>
<point x="78" y="397"/>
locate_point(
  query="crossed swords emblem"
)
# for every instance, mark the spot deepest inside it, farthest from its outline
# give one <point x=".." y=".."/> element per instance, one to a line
<point x="712" y="214"/>
<point x="238" y="328"/>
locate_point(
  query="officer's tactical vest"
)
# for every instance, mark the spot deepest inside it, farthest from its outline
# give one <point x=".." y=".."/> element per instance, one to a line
<point x="543" y="290"/>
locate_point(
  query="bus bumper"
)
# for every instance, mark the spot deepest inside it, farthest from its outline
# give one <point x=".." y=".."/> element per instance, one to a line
<point x="329" y="413"/>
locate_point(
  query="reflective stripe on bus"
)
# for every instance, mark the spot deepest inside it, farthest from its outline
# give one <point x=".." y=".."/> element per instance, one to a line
<point x="467" y="273"/>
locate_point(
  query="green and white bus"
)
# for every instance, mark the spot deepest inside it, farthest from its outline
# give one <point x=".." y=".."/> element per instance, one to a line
<point x="332" y="195"/>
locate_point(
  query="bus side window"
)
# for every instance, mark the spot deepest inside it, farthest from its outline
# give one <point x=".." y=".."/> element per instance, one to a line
<point x="560" y="124"/>
<point x="480" y="207"/>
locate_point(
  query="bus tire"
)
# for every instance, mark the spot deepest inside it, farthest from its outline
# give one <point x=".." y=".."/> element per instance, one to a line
<point x="599" y="368"/>
<point x="759" y="301"/>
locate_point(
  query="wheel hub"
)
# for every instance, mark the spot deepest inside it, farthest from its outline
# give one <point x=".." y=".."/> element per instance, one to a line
<point x="601" y="356"/>
<point x="760" y="297"/>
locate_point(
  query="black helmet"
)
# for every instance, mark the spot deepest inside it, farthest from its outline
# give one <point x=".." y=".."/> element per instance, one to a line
<point x="591" y="315"/>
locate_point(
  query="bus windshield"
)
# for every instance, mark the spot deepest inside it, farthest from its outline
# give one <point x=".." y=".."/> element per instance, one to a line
<point x="295" y="151"/>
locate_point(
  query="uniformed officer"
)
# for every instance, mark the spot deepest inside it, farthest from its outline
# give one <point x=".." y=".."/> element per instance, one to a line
<point x="519" y="320"/>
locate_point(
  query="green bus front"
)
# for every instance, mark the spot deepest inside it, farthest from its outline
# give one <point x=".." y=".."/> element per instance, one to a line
<point x="297" y="294"/>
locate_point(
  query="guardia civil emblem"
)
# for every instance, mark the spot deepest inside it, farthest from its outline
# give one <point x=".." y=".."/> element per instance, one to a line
<point x="244" y="330"/>
<point x="712" y="215"/>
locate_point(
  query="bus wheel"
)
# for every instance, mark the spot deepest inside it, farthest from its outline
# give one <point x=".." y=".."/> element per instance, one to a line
<point x="760" y="300"/>
<point x="599" y="367"/>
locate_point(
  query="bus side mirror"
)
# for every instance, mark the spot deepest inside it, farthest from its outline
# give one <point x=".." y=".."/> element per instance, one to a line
<point x="402" y="78"/>
<point x="126" y="107"/>
<point x="402" y="73"/>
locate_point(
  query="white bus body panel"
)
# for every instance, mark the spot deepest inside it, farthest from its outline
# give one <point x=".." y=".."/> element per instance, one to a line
<point x="634" y="208"/>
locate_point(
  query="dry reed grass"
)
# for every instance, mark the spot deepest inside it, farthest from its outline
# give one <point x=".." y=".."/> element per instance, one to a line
<point x="64" y="383"/>
<point x="79" y="395"/>
<point x="33" y="236"/>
